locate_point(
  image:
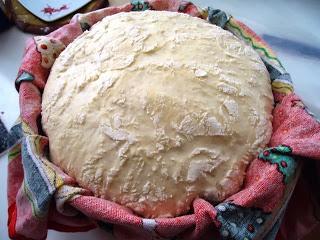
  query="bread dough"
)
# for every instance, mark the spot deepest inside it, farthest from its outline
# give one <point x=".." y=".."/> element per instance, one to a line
<point x="154" y="109"/>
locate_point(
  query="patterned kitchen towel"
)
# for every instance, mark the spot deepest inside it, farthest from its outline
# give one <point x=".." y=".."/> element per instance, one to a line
<point x="42" y="197"/>
<point x="8" y="139"/>
<point x="4" y="137"/>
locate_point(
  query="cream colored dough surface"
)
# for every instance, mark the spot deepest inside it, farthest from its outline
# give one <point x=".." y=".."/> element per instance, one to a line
<point x="154" y="109"/>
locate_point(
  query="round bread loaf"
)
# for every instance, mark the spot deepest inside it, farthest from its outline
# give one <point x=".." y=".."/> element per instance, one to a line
<point x="154" y="109"/>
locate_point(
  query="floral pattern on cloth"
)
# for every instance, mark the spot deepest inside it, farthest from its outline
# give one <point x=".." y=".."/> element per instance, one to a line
<point x="49" y="49"/>
<point x="280" y="155"/>
<point x="41" y="196"/>
<point x="240" y="223"/>
<point x="140" y="5"/>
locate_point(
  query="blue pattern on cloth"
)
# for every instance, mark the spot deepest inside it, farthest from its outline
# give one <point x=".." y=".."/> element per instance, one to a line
<point x="218" y="17"/>
<point x="24" y="76"/>
<point x="139" y="5"/>
<point x="37" y="188"/>
<point x="8" y="139"/>
<point x="240" y="223"/>
<point x="277" y="72"/>
<point x="281" y="156"/>
<point x="4" y="137"/>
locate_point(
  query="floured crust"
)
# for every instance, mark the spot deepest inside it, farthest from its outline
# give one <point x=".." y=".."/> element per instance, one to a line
<point x="153" y="109"/>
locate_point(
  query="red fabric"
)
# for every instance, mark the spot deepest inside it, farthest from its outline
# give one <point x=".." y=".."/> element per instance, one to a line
<point x="30" y="105"/>
<point x="67" y="33"/>
<point x="12" y="214"/>
<point x="30" y="64"/>
<point x="161" y="5"/>
<point x="99" y="14"/>
<point x="63" y="223"/>
<point x="293" y="127"/>
<point x="263" y="186"/>
<point x="15" y="178"/>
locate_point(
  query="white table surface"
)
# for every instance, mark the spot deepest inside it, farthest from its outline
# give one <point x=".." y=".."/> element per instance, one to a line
<point x="280" y="22"/>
